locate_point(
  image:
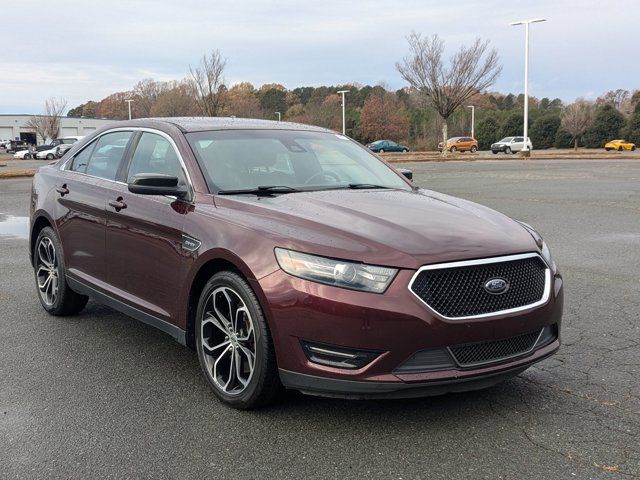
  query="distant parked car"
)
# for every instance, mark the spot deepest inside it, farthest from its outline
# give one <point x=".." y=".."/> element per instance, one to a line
<point x="23" y="155"/>
<point x="15" y="145"/>
<point x="381" y="146"/>
<point x="460" y="144"/>
<point x="64" y="147"/>
<point x="511" y="145"/>
<point x="49" y="152"/>
<point x="5" y="144"/>
<point x="620" y="145"/>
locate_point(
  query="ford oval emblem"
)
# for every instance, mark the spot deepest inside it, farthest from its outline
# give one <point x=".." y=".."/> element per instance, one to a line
<point x="496" y="286"/>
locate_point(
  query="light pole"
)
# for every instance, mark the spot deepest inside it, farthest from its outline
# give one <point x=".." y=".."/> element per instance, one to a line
<point x="279" y="116"/>
<point x="526" y="24"/>
<point x="344" y="129"/>
<point x="473" y="120"/>
<point x="129" y="102"/>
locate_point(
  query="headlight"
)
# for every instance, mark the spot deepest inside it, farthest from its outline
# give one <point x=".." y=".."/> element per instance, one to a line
<point x="544" y="248"/>
<point x="356" y="276"/>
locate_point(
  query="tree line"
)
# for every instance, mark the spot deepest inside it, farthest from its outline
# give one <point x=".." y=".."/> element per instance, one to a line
<point x="431" y="107"/>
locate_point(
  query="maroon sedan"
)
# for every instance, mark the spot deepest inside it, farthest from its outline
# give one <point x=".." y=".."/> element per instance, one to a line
<point x="291" y="256"/>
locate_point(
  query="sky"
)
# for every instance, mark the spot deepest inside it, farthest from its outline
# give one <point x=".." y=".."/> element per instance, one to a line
<point x="86" y="50"/>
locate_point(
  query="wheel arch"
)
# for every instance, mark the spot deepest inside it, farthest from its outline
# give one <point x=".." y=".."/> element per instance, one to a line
<point x="41" y="221"/>
<point x="209" y="264"/>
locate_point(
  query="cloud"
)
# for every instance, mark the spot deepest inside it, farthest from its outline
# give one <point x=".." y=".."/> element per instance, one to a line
<point x="97" y="48"/>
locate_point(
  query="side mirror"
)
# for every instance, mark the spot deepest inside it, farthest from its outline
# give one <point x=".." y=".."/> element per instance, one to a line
<point x="156" y="184"/>
<point x="407" y="173"/>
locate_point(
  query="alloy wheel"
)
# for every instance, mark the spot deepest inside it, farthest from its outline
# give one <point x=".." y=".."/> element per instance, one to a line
<point x="47" y="271"/>
<point x="228" y="340"/>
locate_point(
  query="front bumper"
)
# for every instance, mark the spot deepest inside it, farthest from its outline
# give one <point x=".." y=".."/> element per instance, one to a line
<point x="397" y="325"/>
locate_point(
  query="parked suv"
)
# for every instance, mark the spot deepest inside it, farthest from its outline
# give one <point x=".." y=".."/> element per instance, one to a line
<point x="510" y="145"/>
<point x="460" y="144"/>
<point x="289" y="256"/>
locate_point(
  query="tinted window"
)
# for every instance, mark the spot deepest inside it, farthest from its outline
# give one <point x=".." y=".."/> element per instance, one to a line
<point x="107" y="155"/>
<point x="245" y="159"/>
<point x="81" y="160"/>
<point x="155" y="154"/>
<point x="518" y="139"/>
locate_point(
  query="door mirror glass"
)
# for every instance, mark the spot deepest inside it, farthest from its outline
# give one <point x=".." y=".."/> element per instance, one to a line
<point x="406" y="172"/>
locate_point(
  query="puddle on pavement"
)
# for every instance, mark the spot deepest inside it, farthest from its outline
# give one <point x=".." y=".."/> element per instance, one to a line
<point x="13" y="227"/>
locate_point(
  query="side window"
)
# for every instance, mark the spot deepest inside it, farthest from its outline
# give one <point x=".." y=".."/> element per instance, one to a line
<point x="81" y="160"/>
<point x="518" y="139"/>
<point x="155" y="154"/>
<point x="107" y="155"/>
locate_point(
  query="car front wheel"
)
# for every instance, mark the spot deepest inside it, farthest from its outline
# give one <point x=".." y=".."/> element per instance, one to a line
<point x="234" y="344"/>
<point x="55" y="295"/>
<point x="50" y="156"/>
<point x="453" y="149"/>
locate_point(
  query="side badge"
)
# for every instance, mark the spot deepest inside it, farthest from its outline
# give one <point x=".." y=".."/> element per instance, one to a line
<point x="190" y="244"/>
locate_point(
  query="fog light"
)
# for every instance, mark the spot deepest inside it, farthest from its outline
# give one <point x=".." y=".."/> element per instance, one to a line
<point x="338" y="357"/>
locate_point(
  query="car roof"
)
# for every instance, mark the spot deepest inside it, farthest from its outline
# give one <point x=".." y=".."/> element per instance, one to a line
<point x="199" y="124"/>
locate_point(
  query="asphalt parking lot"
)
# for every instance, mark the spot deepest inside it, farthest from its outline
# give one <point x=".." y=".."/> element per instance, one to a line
<point x="100" y="395"/>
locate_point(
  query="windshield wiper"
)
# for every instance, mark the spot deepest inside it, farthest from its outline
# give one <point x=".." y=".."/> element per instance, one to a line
<point x="261" y="190"/>
<point x="355" y="186"/>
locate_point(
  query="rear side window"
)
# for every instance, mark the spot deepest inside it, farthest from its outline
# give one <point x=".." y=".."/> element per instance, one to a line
<point x="155" y="154"/>
<point x="107" y="155"/>
<point x="81" y="160"/>
<point x="518" y="139"/>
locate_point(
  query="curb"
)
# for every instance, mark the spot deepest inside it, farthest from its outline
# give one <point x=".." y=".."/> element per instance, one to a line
<point x="17" y="173"/>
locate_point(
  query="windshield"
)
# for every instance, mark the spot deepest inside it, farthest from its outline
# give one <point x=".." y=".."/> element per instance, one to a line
<point x="506" y="139"/>
<point x="301" y="160"/>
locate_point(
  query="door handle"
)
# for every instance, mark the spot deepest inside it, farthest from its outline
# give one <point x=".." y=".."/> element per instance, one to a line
<point x="63" y="190"/>
<point x="117" y="204"/>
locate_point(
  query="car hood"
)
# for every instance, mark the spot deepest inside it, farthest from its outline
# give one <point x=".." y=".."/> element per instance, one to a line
<point x="385" y="227"/>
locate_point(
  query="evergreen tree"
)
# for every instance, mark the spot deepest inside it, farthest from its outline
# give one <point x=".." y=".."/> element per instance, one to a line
<point x="606" y="126"/>
<point x="487" y="132"/>
<point x="544" y="129"/>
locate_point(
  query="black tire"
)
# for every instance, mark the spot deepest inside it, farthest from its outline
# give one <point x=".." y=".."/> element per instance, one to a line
<point x="50" y="156"/>
<point x="474" y="149"/>
<point x="633" y="149"/>
<point x="607" y="149"/>
<point x="381" y="150"/>
<point x="27" y="156"/>
<point x="620" y="148"/>
<point x="263" y="386"/>
<point x="404" y="150"/>
<point x="495" y="152"/>
<point x="453" y="149"/>
<point x="507" y="150"/>
<point x="66" y="302"/>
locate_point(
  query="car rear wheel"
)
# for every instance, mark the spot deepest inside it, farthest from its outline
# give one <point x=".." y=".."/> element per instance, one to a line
<point x="474" y="149"/>
<point x="620" y="148"/>
<point x="633" y="149"/>
<point x="234" y="344"/>
<point x="55" y="295"/>
<point x="507" y="150"/>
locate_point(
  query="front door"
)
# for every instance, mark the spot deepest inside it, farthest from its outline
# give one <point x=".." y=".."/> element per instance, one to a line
<point x="144" y="252"/>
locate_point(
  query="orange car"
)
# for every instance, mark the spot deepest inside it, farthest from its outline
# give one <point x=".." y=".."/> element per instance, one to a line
<point x="460" y="144"/>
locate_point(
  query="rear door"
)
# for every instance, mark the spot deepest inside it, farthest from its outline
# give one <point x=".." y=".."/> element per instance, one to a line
<point x="145" y="266"/>
<point x="82" y="191"/>
<point x="518" y="144"/>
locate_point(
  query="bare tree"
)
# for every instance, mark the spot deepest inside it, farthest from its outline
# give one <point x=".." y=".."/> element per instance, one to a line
<point x="48" y="125"/>
<point x="38" y="124"/>
<point x="471" y="70"/>
<point x="208" y="82"/>
<point x="576" y="119"/>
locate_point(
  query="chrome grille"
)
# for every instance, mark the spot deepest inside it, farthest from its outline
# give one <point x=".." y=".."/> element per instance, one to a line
<point x="456" y="290"/>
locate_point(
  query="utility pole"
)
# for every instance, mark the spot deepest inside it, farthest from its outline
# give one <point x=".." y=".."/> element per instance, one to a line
<point x="344" y="128"/>
<point x="526" y="24"/>
<point x="473" y="120"/>
<point x="129" y="102"/>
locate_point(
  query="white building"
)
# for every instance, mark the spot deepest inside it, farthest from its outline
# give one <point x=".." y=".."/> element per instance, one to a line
<point x="14" y="127"/>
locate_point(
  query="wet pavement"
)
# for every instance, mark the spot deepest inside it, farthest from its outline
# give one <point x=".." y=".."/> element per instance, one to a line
<point x="101" y="395"/>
